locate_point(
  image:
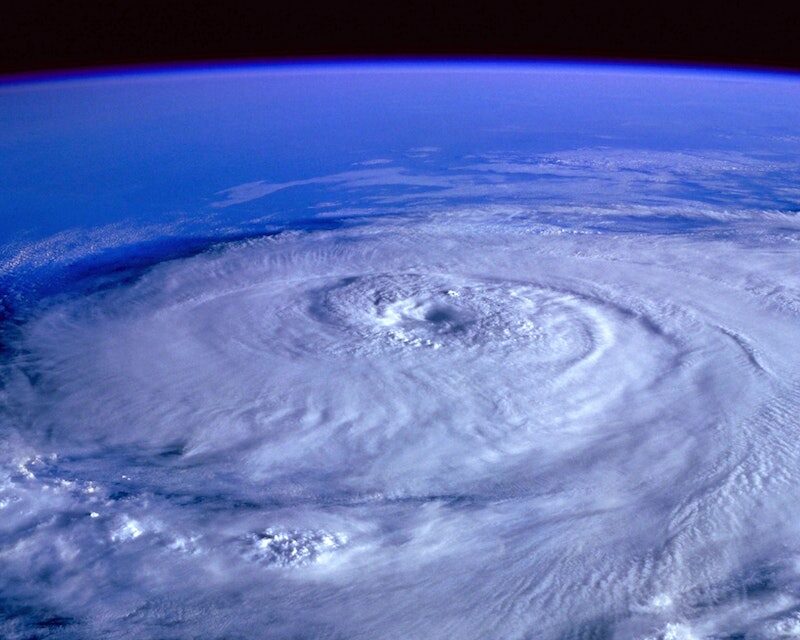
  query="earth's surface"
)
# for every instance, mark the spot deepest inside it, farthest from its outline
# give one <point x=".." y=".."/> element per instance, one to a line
<point x="473" y="351"/>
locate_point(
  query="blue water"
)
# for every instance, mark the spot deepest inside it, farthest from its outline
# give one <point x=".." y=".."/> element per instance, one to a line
<point x="157" y="146"/>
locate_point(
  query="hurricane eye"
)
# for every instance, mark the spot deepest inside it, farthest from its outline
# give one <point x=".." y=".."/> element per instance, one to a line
<point x="442" y="315"/>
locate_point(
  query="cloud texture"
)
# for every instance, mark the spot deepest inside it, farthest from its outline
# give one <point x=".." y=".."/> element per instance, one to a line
<point x="461" y="424"/>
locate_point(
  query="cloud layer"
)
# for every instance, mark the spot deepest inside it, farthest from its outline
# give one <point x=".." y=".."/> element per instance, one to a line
<point x="468" y="423"/>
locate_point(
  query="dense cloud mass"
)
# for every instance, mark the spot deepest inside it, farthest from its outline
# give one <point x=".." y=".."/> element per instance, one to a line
<point x="465" y="424"/>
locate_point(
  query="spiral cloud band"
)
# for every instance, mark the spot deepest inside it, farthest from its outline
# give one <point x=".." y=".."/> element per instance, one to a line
<point x="458" y="426"/>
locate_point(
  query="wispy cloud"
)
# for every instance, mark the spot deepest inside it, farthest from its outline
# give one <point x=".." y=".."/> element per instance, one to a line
<point x="352" y="179"/>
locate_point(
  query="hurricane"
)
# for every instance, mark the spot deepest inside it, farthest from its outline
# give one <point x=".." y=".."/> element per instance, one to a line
<point x="552" y="395"/>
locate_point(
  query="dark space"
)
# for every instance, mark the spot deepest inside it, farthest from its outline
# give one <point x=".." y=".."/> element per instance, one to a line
<point x="42" y="36"/>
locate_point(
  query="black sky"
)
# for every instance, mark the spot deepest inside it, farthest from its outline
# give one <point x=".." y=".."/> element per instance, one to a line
<point x="58" y="35"/>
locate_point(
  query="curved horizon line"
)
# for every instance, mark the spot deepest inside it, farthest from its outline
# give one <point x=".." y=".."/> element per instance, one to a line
<point x="366" y="61"/>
